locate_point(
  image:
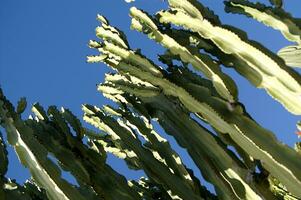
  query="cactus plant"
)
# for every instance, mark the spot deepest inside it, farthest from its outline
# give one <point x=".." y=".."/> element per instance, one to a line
<point x="257" y="166"/>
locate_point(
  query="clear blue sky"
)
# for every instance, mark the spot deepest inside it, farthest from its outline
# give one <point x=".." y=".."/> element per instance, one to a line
<point x="43" y="49"/>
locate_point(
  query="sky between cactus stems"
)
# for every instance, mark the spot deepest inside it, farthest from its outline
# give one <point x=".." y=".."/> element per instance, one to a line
<point x="43" y="49"/>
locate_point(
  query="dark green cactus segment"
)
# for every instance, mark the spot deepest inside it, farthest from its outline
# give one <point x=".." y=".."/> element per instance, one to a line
<point x="149" y="190"/>
<point x="34" y="191"/>
<point x="74" y="122"/>
<point x="3" y="157"/>
<point x="28" y="191"/>
<point x="58" y="147"/>
<point x="22" y="103"/>
<point x="249" y="163"/>
<point x="276" y="3"/>
<point x="85" y="163"/>
<point x="55" y="116"/>
<point x="33" y="155"/>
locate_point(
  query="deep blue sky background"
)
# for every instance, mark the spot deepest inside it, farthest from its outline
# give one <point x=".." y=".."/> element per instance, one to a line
<point x="43" y="49"/>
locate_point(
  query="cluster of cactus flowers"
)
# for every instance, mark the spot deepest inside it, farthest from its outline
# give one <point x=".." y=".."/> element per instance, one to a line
<point x="181" y="101"/>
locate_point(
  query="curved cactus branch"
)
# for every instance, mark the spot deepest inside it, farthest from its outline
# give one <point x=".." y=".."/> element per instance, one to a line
<point x="272" y="17"/>
<point x="281" y="82"/>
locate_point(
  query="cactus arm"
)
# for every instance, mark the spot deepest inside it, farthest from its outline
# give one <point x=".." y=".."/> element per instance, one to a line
<point x="272" y="17"/>
<point x="151" y="165"/>
<point x="291" y="55"/>
<point x="205" y="148"/>
<point x="77" y="158"/>
<point x="188" y="38"/>
<point x="112" y="35"/>
<point x="248" y="161"/>
<point x="129" y="86"/>
<point x="212" y="116"/>
<point x="223" y="83"/>
<point x="274" y="73"/>
<point x="277" y="19"/>
<point x="33" y="155"/>
<point x="10" y="189"/>
<point x="194" y="42"/>
<point x="114" y="145"/>
<point x="157" y="144"/>
<point x="280" y="160"/>
<point x="248" y="121"/>
<point x="239" y="65"/>
<point x="281" y="167"/>
<point x="74" y="123"/>
<point x="199" y="144"/>
<point x="193" y="145"/>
